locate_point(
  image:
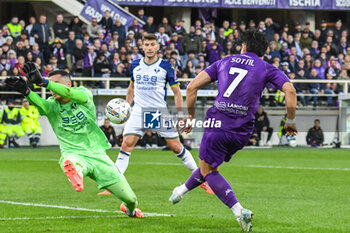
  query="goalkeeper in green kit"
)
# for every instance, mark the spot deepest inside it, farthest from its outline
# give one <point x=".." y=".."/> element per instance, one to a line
<point x="72" y="115"/>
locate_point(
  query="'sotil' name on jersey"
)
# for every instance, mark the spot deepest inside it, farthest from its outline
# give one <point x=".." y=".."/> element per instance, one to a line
<point x="150" y="82"/>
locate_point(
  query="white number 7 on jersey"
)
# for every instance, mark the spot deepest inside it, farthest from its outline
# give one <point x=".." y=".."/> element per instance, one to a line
<point x="241" y="74"/>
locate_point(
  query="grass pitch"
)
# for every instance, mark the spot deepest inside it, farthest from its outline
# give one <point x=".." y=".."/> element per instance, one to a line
<point x="289" y="190"/>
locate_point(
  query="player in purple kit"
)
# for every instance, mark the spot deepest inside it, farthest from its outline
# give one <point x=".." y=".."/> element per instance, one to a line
<point x="241" y="80"/>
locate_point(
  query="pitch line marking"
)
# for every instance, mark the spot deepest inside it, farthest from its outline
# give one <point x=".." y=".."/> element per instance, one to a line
<point x="226" y="165"/>
<point x="302" y="168"/>
<point x="80" y="209"/>
<point x="62" y="217"/>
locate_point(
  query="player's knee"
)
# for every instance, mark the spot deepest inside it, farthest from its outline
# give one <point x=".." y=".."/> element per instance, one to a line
<point x="176" y="147"/>
<point x="127" y="145"/>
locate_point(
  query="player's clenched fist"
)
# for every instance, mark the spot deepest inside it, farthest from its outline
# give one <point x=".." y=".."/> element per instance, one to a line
<point x="33" y="74"/>
<point x="16" y="83"/>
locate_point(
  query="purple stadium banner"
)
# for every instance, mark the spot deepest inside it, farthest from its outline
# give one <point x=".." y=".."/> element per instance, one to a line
<point x="140" y="2"/>
<point x="193" y="3"/>
<point x="96" y="9"/>
<point x="305" y="4"/>
<point x="249" y="3"/>
<point x="341" y="4"/>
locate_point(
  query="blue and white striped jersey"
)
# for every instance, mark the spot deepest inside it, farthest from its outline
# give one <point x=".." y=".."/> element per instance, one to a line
<point x="150" y="82"/>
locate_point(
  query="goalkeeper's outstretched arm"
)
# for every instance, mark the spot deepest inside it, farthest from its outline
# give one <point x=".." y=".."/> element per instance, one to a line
<point x="42" y="105"/>
<point x="77" y="95"/>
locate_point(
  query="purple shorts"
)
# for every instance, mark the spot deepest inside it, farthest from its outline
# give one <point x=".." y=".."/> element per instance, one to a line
<point x="219" y="146"/>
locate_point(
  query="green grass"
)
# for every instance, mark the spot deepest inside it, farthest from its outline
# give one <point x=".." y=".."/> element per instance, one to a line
<point x="282" y="199"/>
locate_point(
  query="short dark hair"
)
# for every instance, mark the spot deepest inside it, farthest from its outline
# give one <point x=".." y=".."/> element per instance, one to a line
<point x="317" y="120"/>
<point x="255" y="41"/>
<point x="63" y="74"/>
<point x="149" y="36"/>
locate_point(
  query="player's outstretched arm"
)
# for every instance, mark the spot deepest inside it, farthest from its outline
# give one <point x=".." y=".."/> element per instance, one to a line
<point x="201" y="80"/>
<point x="291" y="104"/>
<point x="130" y="93"/>
<point x="198" y="82"/>
<point x="19" y="84"/>
<point x="33" y="74"/>
<point x="178" y="98"/>
<point x="78" y="95"/>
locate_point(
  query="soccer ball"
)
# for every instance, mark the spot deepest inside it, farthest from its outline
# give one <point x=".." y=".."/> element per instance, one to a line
<point x="292" y="141"/>
<point x="118" y="111"/>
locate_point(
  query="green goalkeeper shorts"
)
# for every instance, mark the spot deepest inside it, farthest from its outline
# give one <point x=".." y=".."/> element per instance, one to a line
<point x="98" y="167"/>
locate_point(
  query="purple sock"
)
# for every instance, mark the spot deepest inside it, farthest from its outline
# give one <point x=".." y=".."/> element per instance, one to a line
<point x="195" y="180"/>
<point x="221" y="188"/>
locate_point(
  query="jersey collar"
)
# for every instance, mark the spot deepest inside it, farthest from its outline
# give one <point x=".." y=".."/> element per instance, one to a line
<point x="143" y="60"/>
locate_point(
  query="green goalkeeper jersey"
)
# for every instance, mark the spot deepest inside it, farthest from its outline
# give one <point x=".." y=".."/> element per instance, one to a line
<point x="74" y="123"/>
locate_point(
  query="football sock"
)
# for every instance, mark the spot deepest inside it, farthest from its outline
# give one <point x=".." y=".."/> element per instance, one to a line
<point x="221" y="188"/>
<point x="123" y="192"/>
<point x="122" y="162"/>
<point x="187" y="159"/>
<point x="236" y="209"/>
<point x="194" y="180"/>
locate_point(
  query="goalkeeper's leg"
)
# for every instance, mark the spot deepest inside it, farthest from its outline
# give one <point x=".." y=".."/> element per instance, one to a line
<point x="123" y="192"/>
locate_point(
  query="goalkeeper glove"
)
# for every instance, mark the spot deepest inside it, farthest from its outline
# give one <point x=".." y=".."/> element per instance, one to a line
<point x="33" y="74"/>
<point x="16" y="83"/>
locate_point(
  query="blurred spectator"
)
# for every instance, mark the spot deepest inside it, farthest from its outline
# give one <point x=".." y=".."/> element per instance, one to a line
<point x="314" y="136"/>
<point x="149" y="26"/>
<point x="190" y="42"/>
<point x="214" y="51"/>
<point x="141" y="15"/>
<point x="163" y="38"/>
<point x="305" y="40"/>
<point x="78" y="56"/>
<point x="76" y="27"/>
<point x="271" y="28"/>
<point x="89" y="59"/>
<point x="167" y="27"/>
<point x="106" y="22"/>
<point x="30" y="123"/>
<point x="12" y="121"/>
<point x="179" y="28"/>
<point x="93" y="29"/>
<point x="227" y="29"/>
<point x="59" y="52"/>
<point x="302" y="88"/>
<point x="254" y="139"/>
<point x="118" y="27"/>
<point x="4" y="64"/>
<point x="29" y="27"/>
<point x="262" y="126"/>
<point x="315" y="88"/>
<point x="60" y="28"/>
<point x="41" y="33"/>
<point x="14" y="27"/>
<point x="108" y="130"/>
<point x="149" y="139"/>
<point x="135" y="27"/>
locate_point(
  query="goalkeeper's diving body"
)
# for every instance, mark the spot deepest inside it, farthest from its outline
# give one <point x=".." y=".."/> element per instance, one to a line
<point x="72" y="115"/>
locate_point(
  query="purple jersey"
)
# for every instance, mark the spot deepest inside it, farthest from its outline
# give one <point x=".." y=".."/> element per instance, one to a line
<point x="241" y="80"/>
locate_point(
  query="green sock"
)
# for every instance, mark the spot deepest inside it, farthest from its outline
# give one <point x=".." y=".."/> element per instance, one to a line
<point x="123" y="192"/>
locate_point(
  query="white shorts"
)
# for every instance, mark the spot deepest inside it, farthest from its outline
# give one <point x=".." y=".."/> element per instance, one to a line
<point x="136" y="126"/>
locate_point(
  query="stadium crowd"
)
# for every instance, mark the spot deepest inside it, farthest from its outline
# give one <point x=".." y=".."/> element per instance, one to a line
<point x="107" y="48"/>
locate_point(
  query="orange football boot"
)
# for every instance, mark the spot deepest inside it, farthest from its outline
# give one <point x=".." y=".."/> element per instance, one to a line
<point x="106" y="192"/>
<point x="138" y="212"/>
<point x="73" y="176"/>
<point x="207" y="188"/>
